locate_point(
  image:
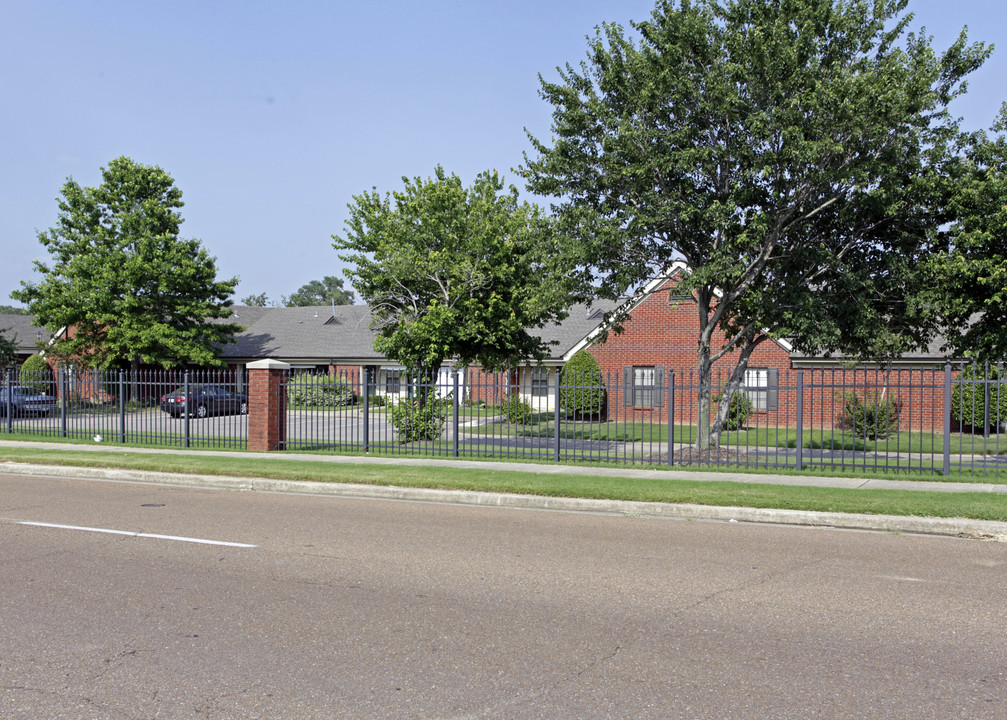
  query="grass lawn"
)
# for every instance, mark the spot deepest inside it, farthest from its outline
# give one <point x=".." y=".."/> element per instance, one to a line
<point x="579" y="482"/>
<point x="543" y="425"/>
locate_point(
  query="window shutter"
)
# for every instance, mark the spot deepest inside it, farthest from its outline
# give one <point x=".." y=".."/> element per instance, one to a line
<point x="658" y="387"/>
<point x="628" y="391"/>
<point x="773" y="391"/>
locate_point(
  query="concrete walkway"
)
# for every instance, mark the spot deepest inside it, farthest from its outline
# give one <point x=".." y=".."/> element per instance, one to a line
<point x="943" y="526"/>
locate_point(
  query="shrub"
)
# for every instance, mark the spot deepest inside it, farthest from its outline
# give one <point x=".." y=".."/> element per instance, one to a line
<point x="36" y="373"/>
<point x="738" y="410"/>
<point x="516" y="410"/>
<point x="320" y="391"/>
<point x="968" y="398"/>
<point x="582" y="391"/>
<point x="870" y="417"/>
<point x="419" y="418"/>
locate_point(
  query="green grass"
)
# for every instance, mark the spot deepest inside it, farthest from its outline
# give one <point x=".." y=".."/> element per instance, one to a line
<point x="542" y="425"/>
<point x="578" y="483"/>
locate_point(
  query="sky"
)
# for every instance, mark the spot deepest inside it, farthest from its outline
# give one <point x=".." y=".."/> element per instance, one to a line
<point x="271" y="116"/>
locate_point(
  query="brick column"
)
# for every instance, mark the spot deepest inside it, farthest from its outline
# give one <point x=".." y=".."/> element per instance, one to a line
<point x="267" y="405"/>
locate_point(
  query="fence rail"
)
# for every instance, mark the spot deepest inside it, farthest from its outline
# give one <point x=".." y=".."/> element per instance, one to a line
<point x="158" y="408"/>
<point x="921" y="420"/>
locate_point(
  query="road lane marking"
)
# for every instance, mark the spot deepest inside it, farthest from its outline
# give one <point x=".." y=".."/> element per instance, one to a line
<point x="137" y="534"/>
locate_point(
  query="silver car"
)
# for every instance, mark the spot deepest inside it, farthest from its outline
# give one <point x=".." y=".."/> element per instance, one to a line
<point x="25" y="400"/>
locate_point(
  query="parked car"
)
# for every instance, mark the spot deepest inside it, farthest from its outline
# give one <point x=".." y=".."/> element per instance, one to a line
<point x="204" y="400"/>
<point x="26" y="400"/>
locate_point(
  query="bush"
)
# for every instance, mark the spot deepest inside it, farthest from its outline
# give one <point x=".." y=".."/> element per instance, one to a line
<point x="419" y="418"/>
<point x="738" y="410"/>
<point x="516" y="410"/>
<point x="320" y="391"/>
<point x="968" y="398"/>
<point x="36" y="373"/>
<point x="582" y="391"/>
<point x="870" y="417"/>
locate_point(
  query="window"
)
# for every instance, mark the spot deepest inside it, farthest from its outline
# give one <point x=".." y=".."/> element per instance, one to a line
<point x="540" y="382"/>
<point x="762" y="386"/>
<point x="643" y="386"/>
<point x="393" y="382"/>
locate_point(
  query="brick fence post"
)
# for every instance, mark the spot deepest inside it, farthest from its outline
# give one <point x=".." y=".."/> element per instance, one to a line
<point x="267" y="405"/>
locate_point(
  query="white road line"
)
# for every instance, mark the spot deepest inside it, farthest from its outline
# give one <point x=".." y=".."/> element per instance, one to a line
<point x="137" y="534"/>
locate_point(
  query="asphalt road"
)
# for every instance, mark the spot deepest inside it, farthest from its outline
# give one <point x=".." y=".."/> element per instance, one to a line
<point x="348" y="608"/>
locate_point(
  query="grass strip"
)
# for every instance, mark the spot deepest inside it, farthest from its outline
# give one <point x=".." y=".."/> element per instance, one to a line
<point x="979" y="506"/>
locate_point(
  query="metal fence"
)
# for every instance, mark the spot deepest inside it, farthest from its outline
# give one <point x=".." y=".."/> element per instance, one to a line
<point x="921" y="420"/>
<point x="199" y="408"/>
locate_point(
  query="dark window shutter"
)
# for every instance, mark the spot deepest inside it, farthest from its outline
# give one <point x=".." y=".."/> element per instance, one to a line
<point x="627" y="386"/>
<point x="773" y="391"/>
<point x="658" y="387"/>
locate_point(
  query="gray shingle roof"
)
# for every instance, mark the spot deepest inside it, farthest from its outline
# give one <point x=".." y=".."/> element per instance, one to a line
<point x="310" y="334"/>
<point x="23" y="330"/>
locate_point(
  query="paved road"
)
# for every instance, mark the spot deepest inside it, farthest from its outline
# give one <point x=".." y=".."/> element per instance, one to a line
<point x="376" y="609"/>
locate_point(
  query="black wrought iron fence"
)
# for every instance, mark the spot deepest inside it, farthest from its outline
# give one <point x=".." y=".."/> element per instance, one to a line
<point x="878" y="419"/>
<point x="198" y="408"/>
<point x="920" y="420"/>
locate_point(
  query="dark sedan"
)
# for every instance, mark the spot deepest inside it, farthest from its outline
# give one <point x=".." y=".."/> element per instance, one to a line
<point x="204" y="400"/>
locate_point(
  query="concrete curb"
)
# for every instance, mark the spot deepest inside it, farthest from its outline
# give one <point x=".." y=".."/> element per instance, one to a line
<point x="957" y="527"/>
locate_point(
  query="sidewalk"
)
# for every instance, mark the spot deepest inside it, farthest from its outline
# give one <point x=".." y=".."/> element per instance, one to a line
<point x="941" y="526"/>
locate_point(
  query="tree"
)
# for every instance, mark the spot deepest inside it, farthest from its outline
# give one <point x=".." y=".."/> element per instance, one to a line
<point x="259" y="300"/>
<point x="326" y="291"/>
<point x="454" y="272"/>
<point x="129" y="288"/>
<point x="8" y="350"/>
<point x="794" y="153"/>
<point x="11" y="310"/>
<point x="969" y="281"/>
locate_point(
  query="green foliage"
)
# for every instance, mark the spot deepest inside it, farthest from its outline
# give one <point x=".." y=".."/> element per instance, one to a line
<point x="35" y="371"/>
<point x="8" y="350"/>
<point x="327" y="291"/>
<point x="259" y="300"/>
<point x="871" y="417"/>
<point x="968" y="397"/>
<point x="11" y="310"/>
<point x="420" y="417"/>
<point x="516" y="410"/>
<point x="123" y="280"/>
<point x="968" y="281"/>
<point x="582" y="387"/>
<point x="320" y="391"/>
<point x="795" y="155"/>
<point x="450" y="271"/>
<point x="738" y="410"/>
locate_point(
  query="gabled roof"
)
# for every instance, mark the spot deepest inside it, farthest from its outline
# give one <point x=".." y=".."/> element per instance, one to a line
<point x="306" y="333"/>
<point x="23" y="331"/>
<point x="343" y="334"/>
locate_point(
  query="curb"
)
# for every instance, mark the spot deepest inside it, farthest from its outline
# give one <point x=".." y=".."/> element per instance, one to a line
<point x="955" y="527"/>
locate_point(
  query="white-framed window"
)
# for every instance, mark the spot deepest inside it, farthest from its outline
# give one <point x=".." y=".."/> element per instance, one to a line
<point x="762" y="386"/>
<point x="539" y="382"/>
<point x="643" y="386"/>
<point x="393" y="382"/>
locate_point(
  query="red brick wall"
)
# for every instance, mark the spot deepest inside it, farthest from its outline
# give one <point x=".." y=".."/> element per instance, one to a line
<point x="267" y="409"/>
<point x="662" y="334"/>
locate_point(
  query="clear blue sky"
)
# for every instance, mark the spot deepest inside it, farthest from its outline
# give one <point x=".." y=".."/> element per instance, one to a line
<point x="272" y="115"/>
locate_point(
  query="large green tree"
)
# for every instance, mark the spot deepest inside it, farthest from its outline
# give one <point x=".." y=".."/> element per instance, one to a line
<point x="969" y="281"/>
<point x="794" y="153"/>
<point x="326" y="291"/>
<point x="120" y="277"/>
<point x="454" y="272"/>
